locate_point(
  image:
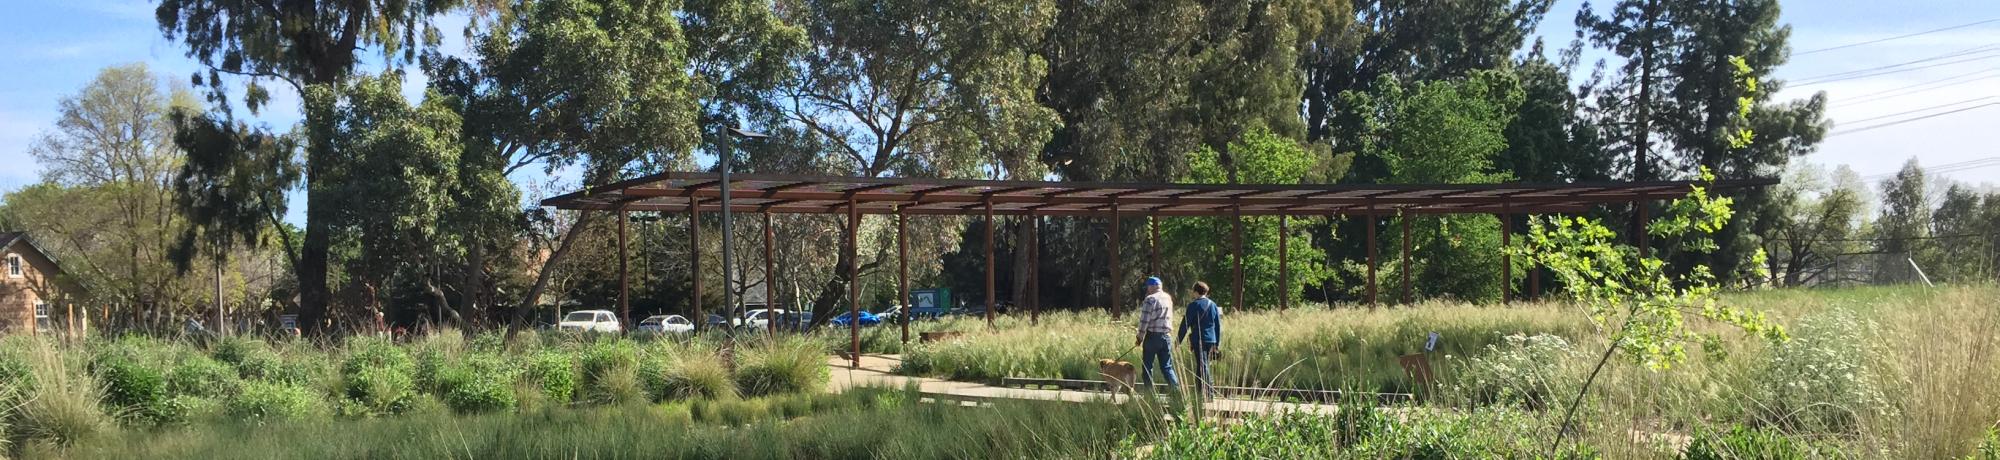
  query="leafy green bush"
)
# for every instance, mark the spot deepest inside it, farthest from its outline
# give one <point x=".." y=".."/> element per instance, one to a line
<point x="553" y="375"/>
<point x="200" y="376"/>
<point x="785" y="366"/>
<point x="1743" y="442"/>
<point x="1821" y="380"/>
<point x="135" y="390"/>
<point x="252" y="359"/>
<point x="275" y="401"/>
<point x="611" y="374"/>
<point x="377" y="375"/>
<point x="480" y="383"/>
<point x="1523" y="371"/>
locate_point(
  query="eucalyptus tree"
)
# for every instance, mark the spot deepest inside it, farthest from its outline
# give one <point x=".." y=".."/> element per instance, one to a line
<point x="303" y="45"/>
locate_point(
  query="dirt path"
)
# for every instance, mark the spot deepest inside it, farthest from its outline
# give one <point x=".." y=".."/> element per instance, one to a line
<point x="876" y="370"/>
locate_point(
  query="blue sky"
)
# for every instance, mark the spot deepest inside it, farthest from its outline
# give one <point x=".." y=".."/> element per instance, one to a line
<point x="51" y="49"/>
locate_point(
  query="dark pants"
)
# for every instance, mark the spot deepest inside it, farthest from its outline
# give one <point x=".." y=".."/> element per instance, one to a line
<point x="1158" y="348"/>
<point x="1201" y="377"/>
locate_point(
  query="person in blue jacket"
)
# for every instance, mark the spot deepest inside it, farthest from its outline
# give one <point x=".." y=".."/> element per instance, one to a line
<point x="1204" y="321"/>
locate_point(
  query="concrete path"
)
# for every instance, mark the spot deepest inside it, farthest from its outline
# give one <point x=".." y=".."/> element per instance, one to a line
<point x="877" y="370"/>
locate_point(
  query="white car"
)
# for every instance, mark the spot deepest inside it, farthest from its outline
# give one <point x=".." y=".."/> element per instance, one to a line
<point x="666" y="324"/>
<point x="590" y="321"/>
<point x="758" y="319"/>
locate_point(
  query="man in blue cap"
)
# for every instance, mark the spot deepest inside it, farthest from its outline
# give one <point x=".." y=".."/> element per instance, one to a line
<point x="1156" y="317"/>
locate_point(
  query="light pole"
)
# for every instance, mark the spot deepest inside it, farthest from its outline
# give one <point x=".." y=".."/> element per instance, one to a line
<point x="727" y="154"/>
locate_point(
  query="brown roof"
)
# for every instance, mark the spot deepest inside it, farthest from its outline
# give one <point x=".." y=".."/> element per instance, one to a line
<point x="674" y="191"/>
<point x="7" y="238"/>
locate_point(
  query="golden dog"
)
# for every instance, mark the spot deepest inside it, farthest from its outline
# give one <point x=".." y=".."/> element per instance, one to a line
<point x="1120" y="375"/>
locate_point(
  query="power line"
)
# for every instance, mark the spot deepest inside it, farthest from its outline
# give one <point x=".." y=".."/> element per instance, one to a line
<point x="1898" y="122"/>
<point x="1898" y="37"/>
<point x="1897" y="92"/>
<point x="1925" y="109"/>
<point x="1944" y="168"/>
<point x="1902" y="66"/>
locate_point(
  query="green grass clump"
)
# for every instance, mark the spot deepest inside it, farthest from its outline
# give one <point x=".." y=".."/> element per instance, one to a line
<point x="481" y="383"/>
<point x="784" y="366"/>
<point x="552" y="375"/>
<point x="692" y="374"/>
<point x="377" y="376"/>
<point x="1739" y="442"/>
<point x="63" y="407"/>
<point x="611" y="374"/>
<point x="276" y="401"/>
<point x="200" y="376"/>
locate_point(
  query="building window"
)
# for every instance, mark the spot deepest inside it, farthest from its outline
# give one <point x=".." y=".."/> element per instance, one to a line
<point x="41" y="310"/>
<point x="13" y="266"/>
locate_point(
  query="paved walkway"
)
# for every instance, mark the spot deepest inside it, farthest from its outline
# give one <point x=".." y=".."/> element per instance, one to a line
<point x="876" y="370"/>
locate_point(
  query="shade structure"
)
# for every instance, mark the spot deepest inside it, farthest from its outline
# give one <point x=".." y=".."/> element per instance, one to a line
<point x="678" y="191"/>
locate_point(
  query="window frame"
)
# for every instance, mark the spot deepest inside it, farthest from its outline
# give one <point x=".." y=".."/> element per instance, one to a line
<point x="41" y="309"/>
<point x="16" y="266"/>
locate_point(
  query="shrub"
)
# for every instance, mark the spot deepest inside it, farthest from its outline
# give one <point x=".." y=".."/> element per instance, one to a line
<point x="200" y="376"/>
<point x="786" y="366"/>
<point x="1744" y="442"/>
<point x="611" y="374"/>
<point x="1821" y="380"/>
<point x="63" y="407"/>
<point x="275" y="401"/>
<point x="252" y="359"/>
<point x="133" y="389"/>
<point x="377" y="376"/>
<point x="552" y="375"/>
<point x="694" y="375"/>
<point x="1522" y="371"/>
<point x="480" y="383"/>
<point x="1989" y="449"/>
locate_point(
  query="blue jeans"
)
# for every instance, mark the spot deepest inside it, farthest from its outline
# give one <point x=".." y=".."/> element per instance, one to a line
<point x="1158" y="348"/>
<point x="1201" y="377"/>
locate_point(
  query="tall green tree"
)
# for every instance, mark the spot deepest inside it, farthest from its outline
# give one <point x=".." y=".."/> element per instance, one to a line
<point x="1202" y="248"/>
<point x="1442" y="132"/>
<point x="303" y="44"/>
<point x="893" y="88"/>
<point x="1903" y="229"/>
<point x="1960" y="227"/>
<point x="1824" y="219"/>
<point x="600" y="85"/>
<point x="1407" y="40"/>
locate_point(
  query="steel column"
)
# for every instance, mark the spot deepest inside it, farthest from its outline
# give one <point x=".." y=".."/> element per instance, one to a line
<point x="1153" y="245"/>
<point x="1236" y="240"/>
<point x="903" y="270"/>
<point x="1284" y="268"/>
<point x="1506" y="259"/>
<point x="853" y="285"/>
<point x="989" y="263"/>
<point x="624" y="275"/>
<point x="1034" y="269"/>
<point x="1406" y="257"/>
<point x="694" y="250"/>
<point x="1371" y="254"/>
<point x="1111" y="297"/>
<point x="770" y="279"/>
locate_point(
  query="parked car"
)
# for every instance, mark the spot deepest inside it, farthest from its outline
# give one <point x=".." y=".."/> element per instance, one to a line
<point x="666" y="324"/>
<point x="713" y="321"/>
<point x="758" y="319"/>
<point x="891" y="314"/>
<point x="867" y="319"/>
<point x="590" y="321"/>
<point x="795" y="320"/>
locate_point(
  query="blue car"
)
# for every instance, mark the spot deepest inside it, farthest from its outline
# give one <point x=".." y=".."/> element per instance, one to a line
<point x="867" y="319"/>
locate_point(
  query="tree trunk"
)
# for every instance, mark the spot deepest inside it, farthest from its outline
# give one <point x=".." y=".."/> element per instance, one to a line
<point x="313" y="293"/>
<point x="831" y="292"/>
<point x="472" y="276"/>
<point x="527" y="305"/>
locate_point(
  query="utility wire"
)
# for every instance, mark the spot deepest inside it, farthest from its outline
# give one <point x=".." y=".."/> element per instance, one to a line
<point x="1903" y="66"/>
<point x="1925" y="109"/>
<point x="1898" y="122"/>
<point x="1947" y="167"/>
<point x="1877" y="177"/>
<point x="1897" y="92"/>
<point x="1898" y="37"/>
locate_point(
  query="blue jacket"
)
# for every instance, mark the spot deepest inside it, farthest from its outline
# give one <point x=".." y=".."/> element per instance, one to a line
<point x="1204" y="320"/>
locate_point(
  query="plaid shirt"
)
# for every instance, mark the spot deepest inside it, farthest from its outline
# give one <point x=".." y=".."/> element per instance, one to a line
<point x="1157" y="313"/>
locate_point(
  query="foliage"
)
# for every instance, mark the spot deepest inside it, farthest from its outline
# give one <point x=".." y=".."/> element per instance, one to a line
<point x="134" y="388"/>
<point x="479" y="383"/>
<point x="611" y="374"/>
<point x="553" y="374"/>
<point x="200" y="376"/>
<point x="1744" y="442"/>
<point x="1822" y="381"/>
<point x="275" y="401"/>
<point x="65" y="405"/>
<point x="1525" y="371"/>
<point x="377" y="375"/>
<point x="696" y="374"/>
<point x="1417" y="435"/>
<point x="1205" y="244"/>
<point x="787" y="366"/>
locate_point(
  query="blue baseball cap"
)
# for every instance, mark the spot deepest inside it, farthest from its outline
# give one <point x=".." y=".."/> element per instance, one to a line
<point x="1152" y="281"/>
